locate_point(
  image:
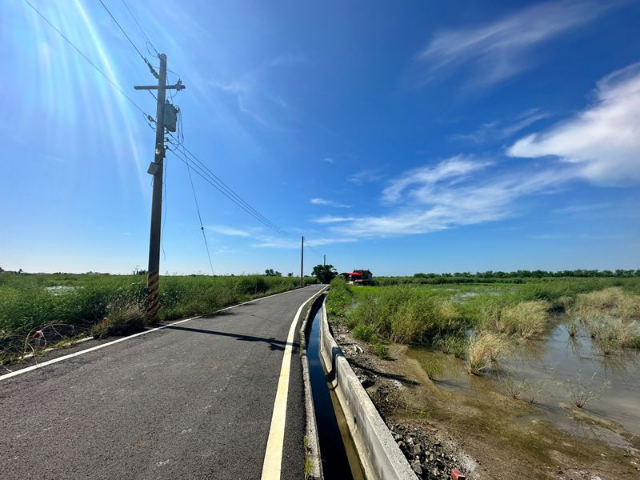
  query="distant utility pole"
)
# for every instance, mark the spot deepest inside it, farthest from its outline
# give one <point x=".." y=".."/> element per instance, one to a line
<point x="324" y="261"/>
<point x="156" y="169"/>
<point x="302" y="263"/>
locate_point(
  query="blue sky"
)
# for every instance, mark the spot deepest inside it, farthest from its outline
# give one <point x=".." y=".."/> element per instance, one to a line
<point x="432" y="137"/>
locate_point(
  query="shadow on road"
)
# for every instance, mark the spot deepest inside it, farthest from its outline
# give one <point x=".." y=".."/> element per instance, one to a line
<point x="273" y="343"/>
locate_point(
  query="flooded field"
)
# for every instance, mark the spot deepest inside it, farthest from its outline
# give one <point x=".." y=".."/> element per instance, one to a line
<point x="548" y="373"/>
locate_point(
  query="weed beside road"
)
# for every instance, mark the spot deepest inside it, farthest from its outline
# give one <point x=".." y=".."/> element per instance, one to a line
<point x="64" y="305"/>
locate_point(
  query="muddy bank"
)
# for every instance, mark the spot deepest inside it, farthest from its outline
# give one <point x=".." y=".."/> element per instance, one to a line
<point x="488" y="436"/>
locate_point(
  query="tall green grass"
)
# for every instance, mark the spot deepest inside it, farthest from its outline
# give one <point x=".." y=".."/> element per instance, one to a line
<point x="444" y="315"/>
<point x="28" y="302"/>
<point x="403" y="315"/>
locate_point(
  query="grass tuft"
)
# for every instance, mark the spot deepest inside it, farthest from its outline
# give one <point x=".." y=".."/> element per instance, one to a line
<point x="485" y="350"/>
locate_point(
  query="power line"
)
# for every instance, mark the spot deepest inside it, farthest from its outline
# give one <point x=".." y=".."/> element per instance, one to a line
<point x="228" y="191"/>
<point x="149" y="42"/>
<point x="89" y="61"/>
<point x="195" y="199"/>
<point x="144" y="59"/>
<point x="197" y="168"/>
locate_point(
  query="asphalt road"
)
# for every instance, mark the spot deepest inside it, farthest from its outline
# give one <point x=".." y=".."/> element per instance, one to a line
<point x="191" y="401"/>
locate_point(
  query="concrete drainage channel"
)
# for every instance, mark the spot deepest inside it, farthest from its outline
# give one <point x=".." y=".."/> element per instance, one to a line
<point x="346" y="437"/>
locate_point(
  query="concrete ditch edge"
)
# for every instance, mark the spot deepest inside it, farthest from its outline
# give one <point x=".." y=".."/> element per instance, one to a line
<point x="312" y="446"/>
<point x="379" y="454"/>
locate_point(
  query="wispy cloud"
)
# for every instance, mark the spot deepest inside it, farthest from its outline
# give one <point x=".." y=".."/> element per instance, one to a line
<point x="258" y="99"/>
<point x="365" y="176"/>
<point x="286" y="243"/>
<point x="501" y="130"/>
<point x="328" y="160"/>
<point x="328" y="203"/>
<point x="602" y="141"/>
<point x="231" y="231"/>
<point x="582" y="208"/>
<point x="332" y="219"/>
<point x="500" y="49"/>
<point x="454" y="170"/>
<point x="578" y="236"/>
<point x="452" y="193"/>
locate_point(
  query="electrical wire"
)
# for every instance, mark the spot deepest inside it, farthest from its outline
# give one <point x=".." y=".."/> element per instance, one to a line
<point x="221" y="186"/>
<point x="208" y="178"/>
<point x="114" y="84"/>
<point x="195" y="199"/>
<point x="144" y="59"/>
<point x="149" y="42"/>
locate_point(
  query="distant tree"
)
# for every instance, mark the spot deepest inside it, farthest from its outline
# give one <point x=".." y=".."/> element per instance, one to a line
<point x="270" y="272"/>
<point x="1" y="269"/>
<point x="324" y="273"/>
<point x="290" y="274"/>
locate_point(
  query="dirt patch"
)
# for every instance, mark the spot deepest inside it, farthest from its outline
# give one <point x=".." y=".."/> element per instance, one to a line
<point x="488" y="436"/>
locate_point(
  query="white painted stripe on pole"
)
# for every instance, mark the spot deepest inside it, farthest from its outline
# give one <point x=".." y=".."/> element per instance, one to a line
<point x="104" y="345"/>
<point x="272" y="466"/>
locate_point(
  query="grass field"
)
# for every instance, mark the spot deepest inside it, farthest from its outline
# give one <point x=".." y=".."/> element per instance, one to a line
<point x="68" y="304"/>
<point x="477" y="320"/>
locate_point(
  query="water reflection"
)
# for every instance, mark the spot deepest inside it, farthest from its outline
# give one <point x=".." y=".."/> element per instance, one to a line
<point x="547" y="366"/>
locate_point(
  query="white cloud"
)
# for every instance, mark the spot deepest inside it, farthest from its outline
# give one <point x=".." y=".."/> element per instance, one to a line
<point x="365" y="176"/>
<point x="332" y="219"/>
<point x="452" y="193"/>
<point x="286" y="243"/>
<point x="582" y="208"/>
<point x="328" y="160"/>
<point x="454" y="169"/>
<point x="500" y="130"/>
<point x="603" y="141"/>
<point x="328" y="203"/>
<point x="500" y="49"/>
<point x="231" y="231"/>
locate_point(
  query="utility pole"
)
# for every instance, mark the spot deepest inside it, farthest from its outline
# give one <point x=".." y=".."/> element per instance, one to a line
<point x="156" y="169"/>
<point x="324" y="262"/>
<point x="302" y="263"/>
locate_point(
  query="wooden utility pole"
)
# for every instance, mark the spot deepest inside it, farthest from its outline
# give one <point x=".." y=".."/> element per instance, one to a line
<point x="156" y="169"/>
<point x="302" y="263"/>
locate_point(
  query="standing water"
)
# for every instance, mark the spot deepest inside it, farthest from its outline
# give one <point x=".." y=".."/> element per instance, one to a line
<point x="339" y="460"/>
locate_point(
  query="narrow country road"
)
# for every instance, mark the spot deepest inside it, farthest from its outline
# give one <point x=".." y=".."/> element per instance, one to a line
<point x="191" y="401"/>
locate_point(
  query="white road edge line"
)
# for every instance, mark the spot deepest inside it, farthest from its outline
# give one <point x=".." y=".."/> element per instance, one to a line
<point x="272" y="466"/>
<point x="104" y="345"/>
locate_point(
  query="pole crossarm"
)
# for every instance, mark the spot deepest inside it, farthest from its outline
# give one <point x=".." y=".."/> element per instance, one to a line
<point x="178" y="86"/>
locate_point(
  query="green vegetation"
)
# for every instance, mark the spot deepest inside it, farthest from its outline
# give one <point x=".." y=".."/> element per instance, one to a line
<point x="432" y="367"/>
<point x="482" y="322"/>
<point x="324" y="273"/>
<point x="339" y="299"/>
<point x="523" y="319"/>
<point x="380" y="350"/>
<point x="113" y="304"/>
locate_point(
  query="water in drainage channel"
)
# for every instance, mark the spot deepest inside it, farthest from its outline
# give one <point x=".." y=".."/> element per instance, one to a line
<point x="339" y="456"/>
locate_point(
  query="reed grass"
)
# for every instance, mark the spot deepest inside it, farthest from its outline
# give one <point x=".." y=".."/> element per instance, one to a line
<point x="485" y="350"/>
